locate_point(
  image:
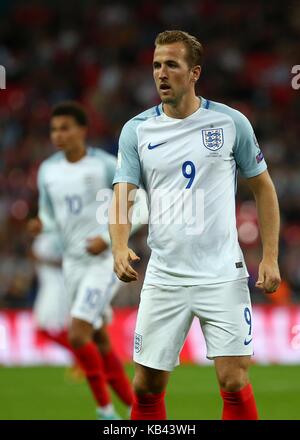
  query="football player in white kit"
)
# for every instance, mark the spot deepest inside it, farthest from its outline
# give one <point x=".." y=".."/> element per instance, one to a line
<point x="68" y="184"/>
<point x="186" y="152"/>
<point x="50" y="307"/>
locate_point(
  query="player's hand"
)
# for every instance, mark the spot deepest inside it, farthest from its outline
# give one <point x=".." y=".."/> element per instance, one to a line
<point x="96" y="245"/>
<point x="122" y="266"/>
<point x="268" y="276"/>
<point x="34" y="227"/>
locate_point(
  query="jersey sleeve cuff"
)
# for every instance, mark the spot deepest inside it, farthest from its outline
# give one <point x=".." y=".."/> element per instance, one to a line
<point x="126" y="179"/>
<point x="254" y="172"/>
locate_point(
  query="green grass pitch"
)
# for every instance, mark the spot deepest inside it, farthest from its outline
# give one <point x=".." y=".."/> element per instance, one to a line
<point x="46" y="393"/>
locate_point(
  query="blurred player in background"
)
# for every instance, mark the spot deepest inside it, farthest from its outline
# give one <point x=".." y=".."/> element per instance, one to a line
<point x="51" y="308"/>
<point x="68" y="183"/>
<point x="191" y="148"/>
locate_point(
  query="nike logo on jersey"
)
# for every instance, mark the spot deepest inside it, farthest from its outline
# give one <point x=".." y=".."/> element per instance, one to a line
<point x="247" y="342"/>
<point x="151" y="147"/>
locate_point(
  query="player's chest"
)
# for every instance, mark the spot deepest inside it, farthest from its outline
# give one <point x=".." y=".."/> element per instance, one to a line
<point x="74" y="188"/>
<point x="164" y="151"/>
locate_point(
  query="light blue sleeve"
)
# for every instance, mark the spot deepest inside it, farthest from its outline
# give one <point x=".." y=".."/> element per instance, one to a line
<point x="128" y="165"/>
<point x="46" y="211"/>
<point x="248" y="156"/>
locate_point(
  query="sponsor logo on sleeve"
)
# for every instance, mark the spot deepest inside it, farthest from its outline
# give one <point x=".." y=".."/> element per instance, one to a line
<point x="259" y="157"/>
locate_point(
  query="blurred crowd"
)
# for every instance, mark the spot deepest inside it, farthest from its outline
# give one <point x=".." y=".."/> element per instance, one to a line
<point x="100" y="53"/>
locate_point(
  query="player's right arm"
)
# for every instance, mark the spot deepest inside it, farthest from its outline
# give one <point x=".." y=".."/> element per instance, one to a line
<point x="45" y="209"/>
<point x="126" y="181"/>
<point x="119" y="228"/>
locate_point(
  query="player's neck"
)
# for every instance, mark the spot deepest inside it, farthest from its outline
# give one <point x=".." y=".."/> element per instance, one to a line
<point x="187" y="106"/>
<point x="76" y="154"/>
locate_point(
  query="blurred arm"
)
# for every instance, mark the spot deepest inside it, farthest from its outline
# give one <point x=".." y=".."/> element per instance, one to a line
<point x="46" y="212"/>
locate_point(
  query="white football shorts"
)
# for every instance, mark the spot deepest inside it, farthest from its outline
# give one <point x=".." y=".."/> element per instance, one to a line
<point x="50" y="308"/>
<point x="166" y="313"/>
<point x="90" y="287"/>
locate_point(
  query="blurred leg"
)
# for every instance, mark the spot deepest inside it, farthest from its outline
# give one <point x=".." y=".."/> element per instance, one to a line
<point x="115" y="372"/>
<point x="86" y="351"/>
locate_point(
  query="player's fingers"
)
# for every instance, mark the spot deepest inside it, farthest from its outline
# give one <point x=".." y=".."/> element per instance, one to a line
<point x="260" y="284"/>
<point x="125" y="272"/>
<point x="272" y="283"/>
<point x="261" y="278"/>
<point x="118" y="270"/>
<point x="90" y="248"/>
<point x="130" y="271"/>
<point x="133" y="256"/>
<point x="126" y="278"/>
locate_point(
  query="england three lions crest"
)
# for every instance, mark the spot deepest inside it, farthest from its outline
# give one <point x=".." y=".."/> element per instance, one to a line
<point x="213" y="138"/>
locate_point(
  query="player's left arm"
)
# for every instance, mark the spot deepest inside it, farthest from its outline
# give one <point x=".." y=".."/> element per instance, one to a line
<point x="252" y="166"/>
<point x="98" y="244"/>
<point x="269" y="224"/>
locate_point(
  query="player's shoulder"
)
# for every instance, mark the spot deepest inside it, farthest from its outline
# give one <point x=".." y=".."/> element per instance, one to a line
<point x="100" y="154"/>
<point x="132" y="124"/>
<point x="237" y="117"/>
<point x="53" y="160"/>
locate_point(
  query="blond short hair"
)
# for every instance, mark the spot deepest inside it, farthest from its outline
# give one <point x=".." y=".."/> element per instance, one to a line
<point x="193" y="46"/>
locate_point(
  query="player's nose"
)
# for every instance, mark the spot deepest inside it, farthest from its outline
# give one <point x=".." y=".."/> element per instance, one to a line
<point x="162" y="74"/>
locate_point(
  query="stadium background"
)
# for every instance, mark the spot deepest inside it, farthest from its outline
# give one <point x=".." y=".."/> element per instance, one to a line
<point x="100" y="53"/>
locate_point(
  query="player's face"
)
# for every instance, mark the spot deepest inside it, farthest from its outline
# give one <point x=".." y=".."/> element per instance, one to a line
<point x="172" y="75"/>
<point x="65" y="133"/>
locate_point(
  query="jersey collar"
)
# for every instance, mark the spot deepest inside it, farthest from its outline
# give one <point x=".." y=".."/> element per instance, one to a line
<point x="204" y="105"/>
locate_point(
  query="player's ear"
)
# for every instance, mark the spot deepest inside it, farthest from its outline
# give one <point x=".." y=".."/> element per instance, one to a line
<point x="196" y="72"/>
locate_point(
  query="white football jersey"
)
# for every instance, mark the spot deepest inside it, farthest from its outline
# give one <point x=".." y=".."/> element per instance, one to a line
<point x="68" y="199"/>
<point x="188" y="168"/>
